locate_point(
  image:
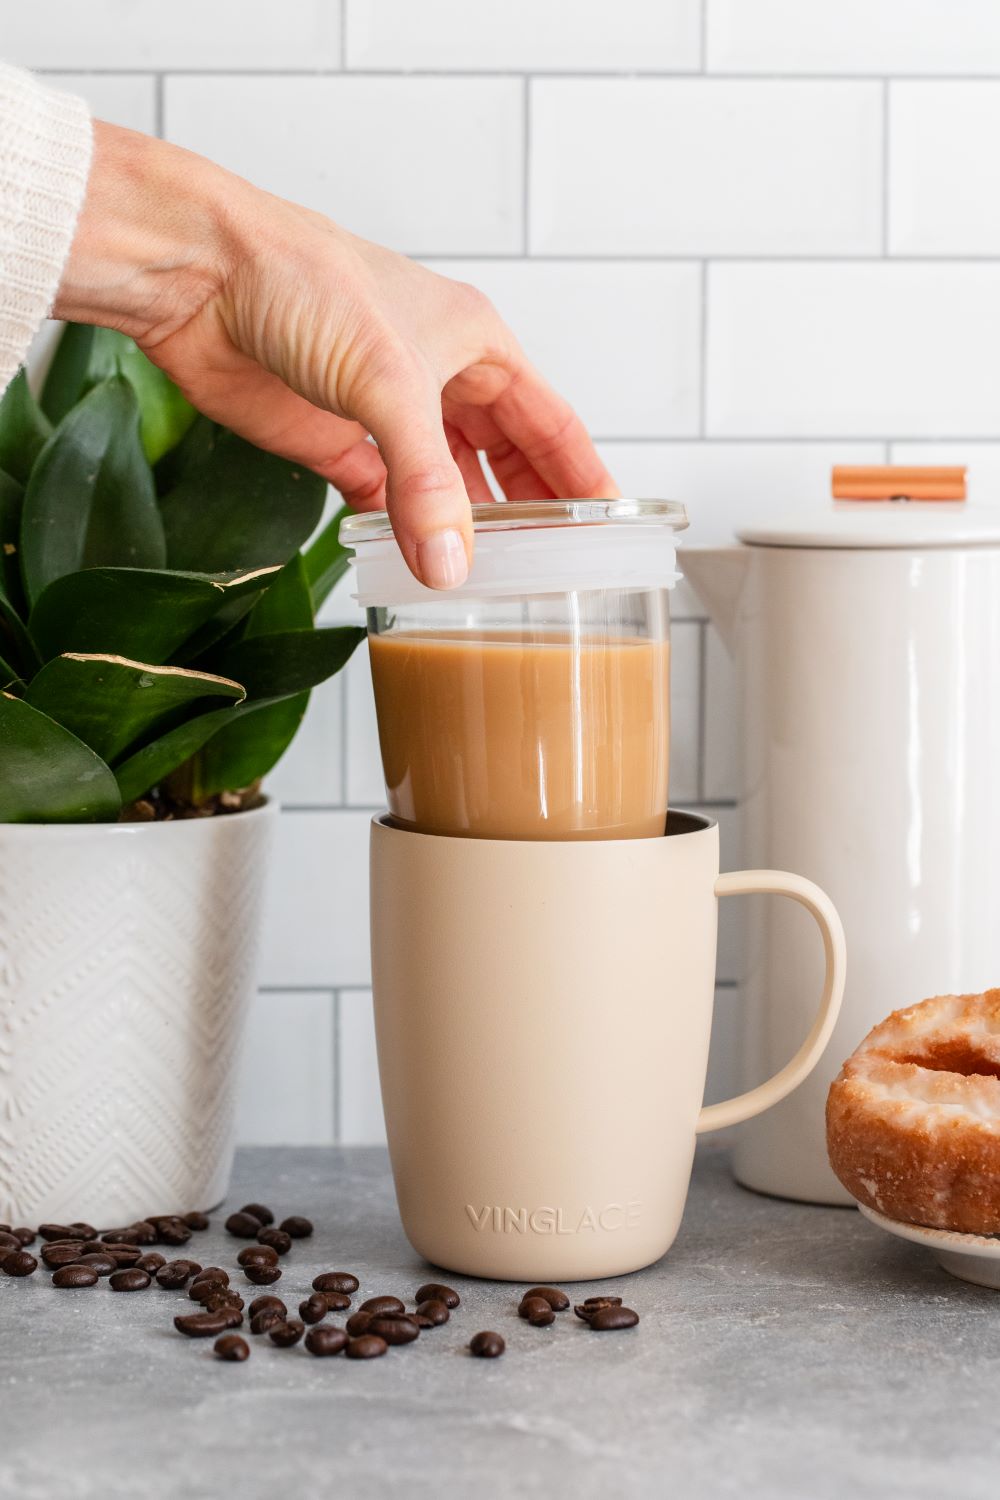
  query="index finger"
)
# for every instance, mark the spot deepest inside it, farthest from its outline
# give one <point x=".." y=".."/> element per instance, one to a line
<point x="546" y="429"/>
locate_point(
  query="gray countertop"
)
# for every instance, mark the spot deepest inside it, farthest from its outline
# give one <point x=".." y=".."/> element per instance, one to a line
<point x="783" y="1351"/>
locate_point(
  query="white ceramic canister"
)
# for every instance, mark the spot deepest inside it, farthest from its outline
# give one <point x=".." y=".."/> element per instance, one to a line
<point x="867" y="651"/>
<point x="128" y="956"/>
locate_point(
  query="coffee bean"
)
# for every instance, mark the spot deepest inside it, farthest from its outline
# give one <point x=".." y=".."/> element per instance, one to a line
<point x="398" y="1330"/>
<point x="286" y="1334"/>
<point x="606" y="1318"/>
<point x="216" y="1273"/>
<point x="335" y="1281"/>
<point x="151" y="1262"/>
<point x="74" y="1276"/>
<point x="434" y="1311"/>
<point x="537" y="1312"/>
<point x="102" y="1264"/>
<point x="486" y="1345"/>
<point x="215" y="1296"/>
<point x="172" y="1231"/>
<point x="132" y="1280"/>
<point x="262" y="1275"/>
<point x="266" y="1319"/>
<point x="18" y="1263"/>
<point x="9" y="1240"/>
<point x="206" y="1325"/>
<point x="434" y="1291"/>
<point x="420" y="1320"/>
<point x="143" y="1233"/>
<point x="259" y="1255"/>
<point x="557" y="1299"/>
<point x="26" y="1236"/>
<point x="258" y="1211"/>
<point x="357" y="1323"/>
<point x="314" y="1309"/>
<point x="276" y="1238"/>
<point x="232" y="1348"/>
<point x="51" y="1232"/>
<point x="83" y="1229"/>
<point x="336" y="1301"/>
<point x="259" y="1303"/>
<point x="243" y="1226"/>
<point x="57" y="1253"/>
<point x="173" y="1275"/>
<point x="211" y="1276"/>
<point x="326" y="1340"/>
<point x="196" y="1220"/>
<point x="368" y="1346"/>
<point x="122" y="1255"/>
<point x="297" y="1227"/>
<point x="378" y="1305"/>
<point x="586" y="1309"/>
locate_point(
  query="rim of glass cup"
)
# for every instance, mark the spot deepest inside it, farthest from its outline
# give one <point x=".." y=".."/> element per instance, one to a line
<point x="521" y="515"/>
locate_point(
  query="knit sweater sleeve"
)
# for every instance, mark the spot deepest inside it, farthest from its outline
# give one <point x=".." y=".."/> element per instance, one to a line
<point x="45" y="144"/>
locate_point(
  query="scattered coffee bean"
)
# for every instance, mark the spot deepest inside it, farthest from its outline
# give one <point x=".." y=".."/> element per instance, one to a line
<point x="210" y="1276"/>
<point x="26" y="1236"/>
<point x="123" y="1255"/>
<point x="314" y="1309"/>
<point x="151" y="1262"/>
<point x="587" y="1308"/>
<point x="276" y="1238"/>
<point x="357" y="1323"/>
<point x="52" y="1232"/>
<point x="232" y="1348"/>
<point x="326" y="1340"/>
<point x="215" y="1296"/>
<point x="172" y="1231"/>
<point x="18" y="1263"/>
<point x="537" y="1312"/>
<point x="259" y="1303"/>
<point x="259" y="1255"/>
<point x="336" y="1301"/>
<point x="102" y="1264"/>
<point x="173" y="1275"/>
<point x="74" y="1276"/>
<point x="243" y="1226"/>
<point x="286" y="1334"/>
<point x="262" y="1275"/>
<point x="206" y="1325"/>
<point x="486" y="1345"/>
<point x="296" y="1226"/>
<point x="266" y="1319"/>
<point x="132" y="1280"/>
<point x="83" y="1229"/>
<point x="57" y="1253"/>
<point x="335" y="1281"/>
<point x="368" y="1346"/>
<point x="606" y="1318"/>
<point x="434" y="1291"/>
<point x="420" y="1320"/>
<point x="258" y="1211"/>
<point x="434" y="1312"/>
<point x="143" y="1233"/>
<point x="196" y="1220"/>
<point x="9" y="1240"/>
<point x="378" y="1305"/>
<point x="203" y="1291"/>
<point x="395" y="1330"/>
<point x="557" y="1299"/>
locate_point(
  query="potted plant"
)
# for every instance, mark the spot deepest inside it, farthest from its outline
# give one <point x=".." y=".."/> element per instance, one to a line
<point x="157" y="649"/>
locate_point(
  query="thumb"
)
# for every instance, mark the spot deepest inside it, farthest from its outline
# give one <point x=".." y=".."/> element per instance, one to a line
<point x="425" y="494"/>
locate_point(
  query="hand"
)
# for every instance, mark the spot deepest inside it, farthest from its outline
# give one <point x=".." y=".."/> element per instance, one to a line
<point x="305" y="340"/>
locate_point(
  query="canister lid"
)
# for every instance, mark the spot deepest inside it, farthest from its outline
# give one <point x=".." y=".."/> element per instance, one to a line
<point x="531" y="547"/>
<point x="894" y="523"/>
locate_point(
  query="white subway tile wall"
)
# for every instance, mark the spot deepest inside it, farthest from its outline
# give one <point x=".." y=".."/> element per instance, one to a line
<point x="748" y="239"/>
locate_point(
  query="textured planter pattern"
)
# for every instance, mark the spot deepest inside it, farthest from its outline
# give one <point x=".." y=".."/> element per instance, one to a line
<point x="127" y="962"/>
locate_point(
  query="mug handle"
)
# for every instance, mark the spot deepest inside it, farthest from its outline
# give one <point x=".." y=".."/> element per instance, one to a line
<point x="818" y="903"/>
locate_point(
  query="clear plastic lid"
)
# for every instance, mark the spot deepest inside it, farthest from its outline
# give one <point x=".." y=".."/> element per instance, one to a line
<point x="531" y="547"/>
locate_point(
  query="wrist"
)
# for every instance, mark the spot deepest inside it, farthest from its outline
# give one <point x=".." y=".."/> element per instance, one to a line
<point x="151" y="243"/>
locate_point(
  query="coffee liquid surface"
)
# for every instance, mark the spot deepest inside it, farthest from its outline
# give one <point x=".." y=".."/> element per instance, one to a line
<point x="524" y="736"/>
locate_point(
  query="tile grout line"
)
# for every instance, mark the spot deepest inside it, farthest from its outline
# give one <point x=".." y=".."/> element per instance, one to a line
<point x="547" y="75"/>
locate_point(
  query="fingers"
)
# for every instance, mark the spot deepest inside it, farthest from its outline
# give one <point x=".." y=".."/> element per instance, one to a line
<point x="471" y="469"/>
<point x="425" y="489"/>
<point x="549" y="435"/>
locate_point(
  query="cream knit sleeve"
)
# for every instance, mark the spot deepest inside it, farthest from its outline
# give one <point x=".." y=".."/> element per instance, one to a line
<point x="45" y="141"/>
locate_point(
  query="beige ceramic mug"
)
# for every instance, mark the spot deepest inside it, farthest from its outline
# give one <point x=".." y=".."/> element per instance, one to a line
<point x="543" y="1013"/>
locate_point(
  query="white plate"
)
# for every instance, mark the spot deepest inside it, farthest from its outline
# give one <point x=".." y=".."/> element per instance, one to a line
<point x="972" y="1257"/>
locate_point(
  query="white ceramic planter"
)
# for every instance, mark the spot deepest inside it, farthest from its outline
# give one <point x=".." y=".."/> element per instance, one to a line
<point x="128" y="958"/>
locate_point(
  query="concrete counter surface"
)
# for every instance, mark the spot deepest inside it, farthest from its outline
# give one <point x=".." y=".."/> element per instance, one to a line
<point x="783" y="1351"/>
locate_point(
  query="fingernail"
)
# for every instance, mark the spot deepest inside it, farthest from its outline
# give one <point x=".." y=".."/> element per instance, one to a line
<point x="442" y="560"/>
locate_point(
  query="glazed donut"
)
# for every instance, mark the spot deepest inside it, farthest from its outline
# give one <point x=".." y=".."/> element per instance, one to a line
<point x="913" y="1117"/>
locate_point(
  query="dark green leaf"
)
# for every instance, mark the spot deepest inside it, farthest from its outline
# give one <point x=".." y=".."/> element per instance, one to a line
<point x="114" y="705"/>
<point x="246" y="748"/>
<point x="90" y="500"/>
<point x="85" y="356"/>
<point x="291" y="661"/>
<point x="9" y="676"/>
<point x="23" y="429"/>
<point x="47" y="775"/>
<point x="240" y="508"/>
<point x="15" y="642"/>
<point x="137" y="612"/>
<point x="11" y="504"/>
<point x="326" y="560"/>
<point x="193" y="450"/>
<point x="154" y="762"/>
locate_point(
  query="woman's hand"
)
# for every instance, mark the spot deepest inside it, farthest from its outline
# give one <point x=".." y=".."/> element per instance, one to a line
<point x="305" y="339"/>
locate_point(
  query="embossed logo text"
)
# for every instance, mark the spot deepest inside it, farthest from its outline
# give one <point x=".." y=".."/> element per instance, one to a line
<point x="503" y="1219"/>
